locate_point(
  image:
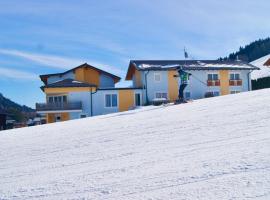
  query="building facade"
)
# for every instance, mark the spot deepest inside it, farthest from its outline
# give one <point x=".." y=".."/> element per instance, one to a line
<point x="88" y="91"/>
<point x="85" y="91"/>
<point x="158" y="78"/>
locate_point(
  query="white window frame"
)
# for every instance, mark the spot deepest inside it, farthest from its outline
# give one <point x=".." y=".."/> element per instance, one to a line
<point x="161" y="93"/>
<point x="212" y="73"/>
<point x="234" y="75"/>
<point x="111" y="100"/>
<point x="213" y="91"/>
<point x="135" y="98"/>
<point x="56" y="95"/>
<point x="235" y="91"/>
<point x="159" y="74"/>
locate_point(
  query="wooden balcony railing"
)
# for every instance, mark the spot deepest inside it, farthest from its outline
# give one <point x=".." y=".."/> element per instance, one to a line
<point x="213" y="82"/>
<point x="235" y="82"/>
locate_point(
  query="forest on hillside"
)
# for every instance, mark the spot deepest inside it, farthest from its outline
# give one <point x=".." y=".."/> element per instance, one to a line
<point x="252" y="51"/>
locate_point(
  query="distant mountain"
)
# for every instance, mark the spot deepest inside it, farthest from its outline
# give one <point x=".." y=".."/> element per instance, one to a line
<point x="18" y="112"/>
<point x="252" y="51"/>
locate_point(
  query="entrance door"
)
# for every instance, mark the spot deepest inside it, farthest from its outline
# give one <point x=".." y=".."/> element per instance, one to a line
<point x="137" y="99"/>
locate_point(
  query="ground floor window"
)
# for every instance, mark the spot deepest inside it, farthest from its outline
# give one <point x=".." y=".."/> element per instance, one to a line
<point x="234" y="91"/>
<point x="212" y="94"/>
<point x="161" y="95"/>
<point x="111" y="100"/>
<point x="83" y="116"/>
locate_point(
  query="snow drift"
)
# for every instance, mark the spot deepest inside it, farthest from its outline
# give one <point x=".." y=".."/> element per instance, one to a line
<point x="217" y="148"/>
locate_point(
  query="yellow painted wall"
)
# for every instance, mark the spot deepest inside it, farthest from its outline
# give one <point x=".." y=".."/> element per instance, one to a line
<point x="172" y="85"/>
<point x="87" y="75"/>
<point x="67" y="89"/>
<point x="126" y="99"/>
<point x="138" y="78"/>
<point x="50" y="118"/>
<point x="224" y="81"/>
<point x="64" y="116"/>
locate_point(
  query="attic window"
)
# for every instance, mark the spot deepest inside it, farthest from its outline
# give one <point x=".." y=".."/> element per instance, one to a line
<point x="267" y="63"/>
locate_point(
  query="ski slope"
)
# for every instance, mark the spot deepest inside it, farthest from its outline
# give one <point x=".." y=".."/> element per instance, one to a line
<point x="264" y="70"/>
<point x="217" y="148"/>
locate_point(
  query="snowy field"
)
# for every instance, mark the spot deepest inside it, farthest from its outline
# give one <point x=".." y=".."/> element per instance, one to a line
<point x="216" y="148"/>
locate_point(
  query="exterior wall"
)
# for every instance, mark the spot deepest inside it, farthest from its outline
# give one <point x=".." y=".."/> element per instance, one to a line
<point x="197" y="84"/>
<point x="99" y="102"/>
<point x="154" y="86"/>
<point x="50" y="117"/>
<point x="53" y="79"/>
<point x="245" y="76"/>
<point x="137" y="78"/>
<point x="173" y="85"/>
<point x="126" y="100"/>
<point x="87" y="75"/>
<point x="224" y="82"/>
<point x="66" y="90"/>
<point x="106" y="81"/>
<point x="85" y="98"/>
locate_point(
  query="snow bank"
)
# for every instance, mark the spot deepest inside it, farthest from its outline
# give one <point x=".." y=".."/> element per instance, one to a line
<point x="217" y="148"/>
<point x="264" y="70"/>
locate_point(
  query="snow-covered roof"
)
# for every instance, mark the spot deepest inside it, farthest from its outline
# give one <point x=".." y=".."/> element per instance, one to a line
<point x="191" y="64"/>
<point x="264" y="70"/>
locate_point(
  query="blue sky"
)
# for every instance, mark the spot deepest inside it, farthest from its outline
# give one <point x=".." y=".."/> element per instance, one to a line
<point x="39" y="37"/>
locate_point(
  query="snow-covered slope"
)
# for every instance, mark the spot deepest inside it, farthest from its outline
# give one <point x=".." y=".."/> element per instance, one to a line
<point x="264" y="70"/>
<point x="217" y="148"/>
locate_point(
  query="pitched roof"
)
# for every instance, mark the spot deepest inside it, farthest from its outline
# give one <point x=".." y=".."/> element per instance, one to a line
<point x="146" y="65"/>
<point x="68" y="83"/>
<point x="45" y="76"/>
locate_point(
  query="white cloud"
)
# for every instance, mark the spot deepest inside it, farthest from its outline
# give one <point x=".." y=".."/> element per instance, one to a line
<point x="48" y="60"/>
<point x="17" y="74"/>
<point x="58" y="61"/>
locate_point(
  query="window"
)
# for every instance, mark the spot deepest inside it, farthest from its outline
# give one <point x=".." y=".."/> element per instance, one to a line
<point x="162" y="95"/>
<point x="83" y="116"/>
<point x="212" y="77"/>
<point x="157" y="77"/>
<point x="235" y="76"/>
<point x="110" y="100"/>
<point x="57" y="99"/>
<point x="234" y="91"/>
<point x="215" y="93"/>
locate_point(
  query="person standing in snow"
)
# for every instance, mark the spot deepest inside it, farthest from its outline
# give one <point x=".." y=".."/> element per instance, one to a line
<point x="184" y="81"/>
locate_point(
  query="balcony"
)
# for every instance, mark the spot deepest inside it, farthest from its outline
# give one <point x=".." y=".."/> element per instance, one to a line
<point x="58" y="107"/>
<point x="236" y="82"/>
<point x="213" y="82"/>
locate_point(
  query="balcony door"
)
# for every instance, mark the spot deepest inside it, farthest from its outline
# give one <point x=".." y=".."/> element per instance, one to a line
<point x="57" y="100"/>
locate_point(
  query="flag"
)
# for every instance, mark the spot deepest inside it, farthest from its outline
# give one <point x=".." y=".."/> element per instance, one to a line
<point x="185" y="53"/>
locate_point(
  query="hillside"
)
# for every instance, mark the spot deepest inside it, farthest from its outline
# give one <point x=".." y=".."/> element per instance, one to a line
<point x="252" y="51"/>
<point x="216" y="148"/>
<point x="18" y="112"/>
